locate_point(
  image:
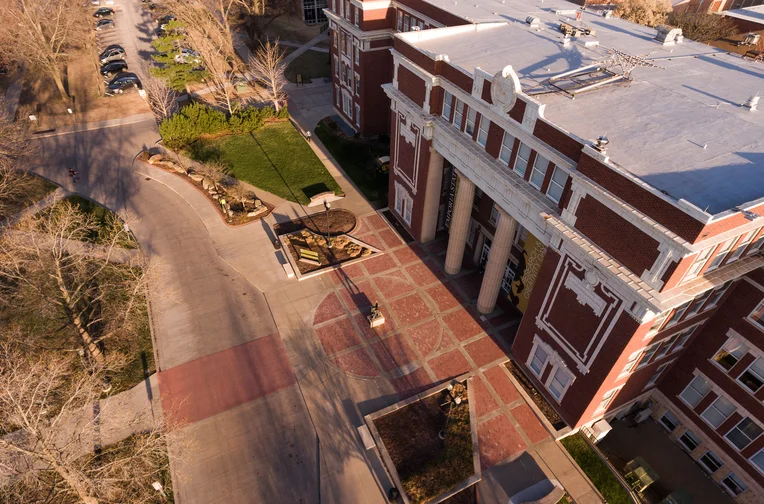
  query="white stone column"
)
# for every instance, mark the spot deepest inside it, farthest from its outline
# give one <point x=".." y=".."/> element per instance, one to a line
<point x="432" y="197"/>
<point x="496" y="263"/>
<point x="460" y="223"/>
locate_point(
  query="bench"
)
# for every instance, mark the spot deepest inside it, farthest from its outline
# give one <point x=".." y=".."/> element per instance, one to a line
<point x="308" y="256"/>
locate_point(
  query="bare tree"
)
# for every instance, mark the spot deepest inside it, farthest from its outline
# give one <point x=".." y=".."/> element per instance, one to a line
<point x="644" y="12"/>
<point x="267" y="66"/>
<point x="61" y="446"/>
<point x="702" y="26"/>
<point x="162" y="98"/>
<point x="41" y="32"/>
<point x="257" y="22"/>
<point x="67" y="264"/>
<point x="215" y="171"/>
<point x="15" y="148"/>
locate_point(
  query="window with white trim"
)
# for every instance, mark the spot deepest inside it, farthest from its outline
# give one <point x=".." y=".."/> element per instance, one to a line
<point x="482" y="137"/>
<point x="334" y="37"/>
<point x="721" y="254"/>
<point x="695" y="391"/>
<point x="698" y="302"/>
<point x="472" y="232"/>
<point x="338" y="96"/>
<point x="666" y="345"/>
<point x="538" y="171"/>
<point x="741" y="245"/>
<point x="684" y="336"/>
<point x="357" y="16"/>
<point x="558" y="383"/>
<point x="678" y="313"/>
<point x="336" y="67"/>
<point x="758" y="460"/>
<point x="521" y="161"/>
<point x="357" y="84"/>
<point x="689" y="440"/>
<point x="538" y="360"/>
<point x="357" y="58"/>
<point x="734" y="485"/>
<point x="406" y="22"/>
<point x="403" y="203"/>
<point x="347" y="10"/>
<point x="458" y="113"/>
<point x="400" y="20"/>
<point x="730" y="353"/>
<point x="658" y="372"/>
<point x="648" y="354"/>
<point x="757" y="316"/>
<point x="631" y="362"/>
<point x="753" y="377"/>
<point x="358" y="115"/>
<point x="658" y="322"/>
<point x="469" y="126"/>
<point x="744" y="433"/>
<point x="717" y="295"/>
<point x="670" y="421"/>
<point x="710" y="462"/>
<point x="507" y="142"/>
<point x="698" y="263"/>
<point x="347" y="104"/>
<point x="343" y="39"/>
<point x="757" y="245"/>
<point x="521" y="234"/>
<point x="607" y="399"/>
<point x="494" y="218"/>
<point x="557" y="184"/>
<point x="448" y="99"/>
<point x="718" y="411"/>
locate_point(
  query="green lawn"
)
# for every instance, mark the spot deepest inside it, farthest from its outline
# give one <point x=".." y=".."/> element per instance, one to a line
<point x="596" y="470"/>
<point x="311" y="65"/>
<point x="358" y="158"/>
<point x="275" y="158"/>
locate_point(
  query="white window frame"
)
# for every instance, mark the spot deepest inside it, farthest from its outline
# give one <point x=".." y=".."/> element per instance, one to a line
<point x="741" y="245"/>
<point x="347" y="104"/>
<point x="666" y="345"/>
<point x="336" y="66"/>
<point x="406" y="22"/>
<point x="758" y="467"/>
<point x="357" y="57"/>
<point x="472" y="231"/>
<point x="747" y="417"/>
<point x="520" y="233"/>
<point x="334" y="38"/>
<point x="607" y="399"/>
<point x="648" y="353"/>
<point x="729" y="342"/>
<point x="631" y="362"/>
<point x="757" y="245"/>
<point x="469" y="124"/>
<point x="519" y="158"/>
<point x="721" y="254"/>
<point x="678" y="314"/>
<point x="751" y="371"/>
<point x="676" y="423"/>
<point x="657" y="323"/>
<point x="713" y="407"/>
<point x="448" y="100"/>
<point x="554" y="183"/>
<point x="458" y="112"/>
<point x="347" y="10"/>
<point x="532" y="356"/>
<point x="482" y="136"/>
<point x="735" y="477"/>
<point x="506" y="150"/>
<point x="717" y="295"/>
<point x="698" y="302"/>
<point x="338" y="96"/>
<point x="403" y="203"/>
<point x="552" y="375"/>
<point x="357" y="84"/>
<point x="692" y="437"/>
<point x="690" y="386"/>
<point x="657" y="375"/>
<point x="400" y="20"/>
<point x="357" y="115"/>
<point x="357" y="16"/>
<point x="494" y="217"/>
<point x="713" y="457"/>
<point x="757" y="312"/>
<point x="684" y="338"/>
<point x="699" y="263"/>
<point x="536" y="169"/>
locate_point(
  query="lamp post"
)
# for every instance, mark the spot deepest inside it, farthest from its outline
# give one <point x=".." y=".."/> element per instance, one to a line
<point x="327" y="206"/>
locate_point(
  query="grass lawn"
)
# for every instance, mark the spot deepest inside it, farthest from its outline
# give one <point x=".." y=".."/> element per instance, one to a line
<point x="596" y="470"/>
<point x="311" y="65"/>
<point x="276" y="159"/>
<point x="358" y="158"/>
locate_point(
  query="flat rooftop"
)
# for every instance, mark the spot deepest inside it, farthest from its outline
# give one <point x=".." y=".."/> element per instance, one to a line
<point x="681" y="128"/>
<point x="754" y="14"/>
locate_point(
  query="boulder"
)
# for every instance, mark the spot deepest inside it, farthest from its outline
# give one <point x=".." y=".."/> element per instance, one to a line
<point x="206" y="184"/>
<point x="196" y="177"/>
<point x="156" y="158"/>
<point x="258" y="203"/>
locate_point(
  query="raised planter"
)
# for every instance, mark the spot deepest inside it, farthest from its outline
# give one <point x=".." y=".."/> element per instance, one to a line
<point x="425" y="467"/>
<point x="346" y="250"/>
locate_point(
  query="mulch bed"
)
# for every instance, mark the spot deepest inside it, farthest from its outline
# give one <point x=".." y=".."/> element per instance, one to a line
<point x="341" y="221"/>
<point x="546" y="408"/>
<point x="427" y="465"/>
<point x="326" y="256"/>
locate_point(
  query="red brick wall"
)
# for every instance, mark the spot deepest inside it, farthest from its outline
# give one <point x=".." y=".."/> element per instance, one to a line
<point x="377" y="19"/>
<point x="738" y="303"/>
<point x="376" y="68"/>
<point x="433" y="12"/>
<point x="731" y="222"/>
<point x="629" y="246"/>
<point x="411" y="85"/>
<point x="456" y="76"/>
<point x="518" y="111"/>
<point x="558" y="140"/>
<point x="416" y="57"/>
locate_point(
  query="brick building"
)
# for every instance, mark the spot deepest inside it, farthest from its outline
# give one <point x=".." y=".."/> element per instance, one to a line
<point x="616" y="201"/>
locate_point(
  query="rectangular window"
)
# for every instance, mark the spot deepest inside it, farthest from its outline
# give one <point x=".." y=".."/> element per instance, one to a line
<point x="403" y="204"/>
<point x="406" y="22"/>
<point x="689" y="440"/>
<point x="471" y="232"/>
<point x="710" y="462"/>
<point x="357" y="16"/>
<point x="658" y="322"/>
<point x="678" y="313"/>
<point x="666" y="346"/>
<point x="695" y="391"/>
<point x="670" y="421"/>
<point x="730" y="353"/>
<point x="506" y="147"/>
<point x="698" y="303"/>
<point x="720" y="254"/>
<point x="734" y="485"/>
<point x="656" y="376"/>
<point x="521" y="234"/>
<point x="648" y="355"/>
<point x="357" y="85"/>
<point x="758" y="461"/>
<point x="336" y="66"/>
<point x="757" y="316"/>
<point x="448" y="98"/>
<point x="476" y="198"/>
<point x="494" y="218"/>
<point x="521" y="162"/>
<point x="482" y="137"/>
<point x="469" y="127"/>
<point x="757" y="245"/>
<point x="744" y="433"/>
<point x="347" y="105"/>
<point x="334" y="37"/>
<point x="400" y="21"/>
<point x="357" y="115"/>
<point x="538" y="361"/>
<point x="342" y="8"/>
<point x="538" y="172"/>
<point x="633" y="358"/>
<point x="741" y="245"/>
<point x="718" y="412"/>
<point x="557" y="184"/>
<point x="338" y="96"/>
<point x="347" y="10"/>
<point x="753" y="377"/>
<point x="458" y="113"/>
<point x="357" y="55"/>
<point x="698" y="263"/>
<point x="717" y="295"/>
<point x="559" y="383"/>
<point x="343" y="39"/>
<point x="684" y="336"/>
<point x="607" y="399"/>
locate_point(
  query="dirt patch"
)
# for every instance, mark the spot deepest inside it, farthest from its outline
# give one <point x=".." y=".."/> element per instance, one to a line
<point x="341" y="221"/>
<point x="342" y="250"/>
<point x="546" y="408"/>
<point x="427" y="465"/>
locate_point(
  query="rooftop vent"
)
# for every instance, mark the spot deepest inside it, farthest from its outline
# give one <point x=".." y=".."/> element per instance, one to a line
<point x="601" y="143"/>
<point x="575" y="31"/>
<point x="750" y="39"/>
<point x="607" y="14"/>
<point x="533" y="21"/>
<point x="668" y="35"/>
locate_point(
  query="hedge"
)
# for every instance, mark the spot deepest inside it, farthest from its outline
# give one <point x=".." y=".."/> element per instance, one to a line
<point x="195" y="120"/>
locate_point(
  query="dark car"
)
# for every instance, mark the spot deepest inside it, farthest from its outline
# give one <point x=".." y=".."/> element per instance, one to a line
<point x="112" y="54"/>
<point x="102" y="24"/>
<point x="165" y="19"/>
<point x="123" y="82"/>
<point x="104" y="12"/>
<point x="113" y="68"/>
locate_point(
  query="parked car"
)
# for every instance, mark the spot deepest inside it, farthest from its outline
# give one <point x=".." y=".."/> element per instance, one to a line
<point x="165" y="19"/>
<point x="109" y="2"/>
<point x="95" y="2"/>
<point x="123" y="82"/>
<point x="113" y="68"/>
<point x="112" y="53"/>
<point x="103" y="12"/>
<point x="103" y="24"/>
<point x="187" y="56"/>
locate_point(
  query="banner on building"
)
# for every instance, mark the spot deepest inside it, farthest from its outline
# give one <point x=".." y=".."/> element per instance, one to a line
<point x="451" y="198"/>
<point x="528" y="270"/>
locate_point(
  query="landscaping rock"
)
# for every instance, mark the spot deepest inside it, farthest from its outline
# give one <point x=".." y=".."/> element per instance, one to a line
<point x="258" y="203"/>
<point x="156" y="158"/>
<point x="257" y="212"/>
<point x="196" y="177"/>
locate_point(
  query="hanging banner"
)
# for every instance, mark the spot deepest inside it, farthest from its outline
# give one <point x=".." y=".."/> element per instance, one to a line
<point x="527" y="272"/>
<point x="451" y="197"/>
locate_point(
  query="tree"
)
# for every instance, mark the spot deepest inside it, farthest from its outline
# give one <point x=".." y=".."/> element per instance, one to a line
<point x="41" y="33"/>
<point x="176" y="74"/>
<point x="15" y="149"/>
<point x="267" y="66"/>
<point x="256" y="23"/>
<point x="67" y="264"/>
<point x="162" y="98"/>
<point x="215" y="171"/>
<point x="644" y="12"/>
<point x="60" y="446"/>
<point x="702" y="26"/>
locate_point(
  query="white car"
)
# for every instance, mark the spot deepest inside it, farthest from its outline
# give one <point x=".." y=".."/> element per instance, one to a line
<point x="187" y="56"/>
<point x="95" y="2"/>
<point x="109" y="2"/>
